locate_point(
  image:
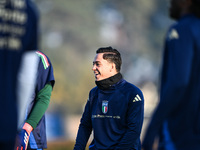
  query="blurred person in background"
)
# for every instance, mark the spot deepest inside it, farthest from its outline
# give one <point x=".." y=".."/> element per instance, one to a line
<point x="18" y="33"/>
<point x="33" y="131"/>
<point x="114" y="110"/>
<point x="176" y="120"/>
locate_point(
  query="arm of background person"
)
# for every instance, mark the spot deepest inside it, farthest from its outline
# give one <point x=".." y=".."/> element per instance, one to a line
<point x="41" y="105"/>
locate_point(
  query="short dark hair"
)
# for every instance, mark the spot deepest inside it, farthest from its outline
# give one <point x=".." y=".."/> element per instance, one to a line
<point x="111" y="55"/>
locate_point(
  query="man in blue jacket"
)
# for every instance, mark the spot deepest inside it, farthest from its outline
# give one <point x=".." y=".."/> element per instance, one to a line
<point x="114" y="110"/>
<point x="176" y="120"/>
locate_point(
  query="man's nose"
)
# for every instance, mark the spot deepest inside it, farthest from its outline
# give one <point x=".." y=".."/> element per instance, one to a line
<point x="94" y="67"/>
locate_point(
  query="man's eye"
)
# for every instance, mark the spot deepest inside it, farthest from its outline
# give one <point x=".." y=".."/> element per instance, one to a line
<point x="97" y="64"/>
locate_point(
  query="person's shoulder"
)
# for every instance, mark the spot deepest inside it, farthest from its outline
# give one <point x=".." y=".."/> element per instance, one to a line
<point x="183" y="27"/>
<point x="129" y="87"/>
<point x="186" y="22"/>
<point x="133" y="91"/>
<point x="93" y="89"/>
<point x="39" y="53"/>
<point x="92" y="92"/>
<point x="44" y="59"/>
<point x="42" y="55"/>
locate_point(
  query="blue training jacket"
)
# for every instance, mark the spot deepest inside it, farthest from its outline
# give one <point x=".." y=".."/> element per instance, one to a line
<point x="178" y="113"/>
<point x="115" y="116"/>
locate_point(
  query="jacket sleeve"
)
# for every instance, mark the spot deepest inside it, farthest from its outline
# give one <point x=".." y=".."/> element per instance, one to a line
<point x="85" y="129"/>
<point x="135" y="115"/>
<point x="41" y="105"/>
<point x="177" y="65"/>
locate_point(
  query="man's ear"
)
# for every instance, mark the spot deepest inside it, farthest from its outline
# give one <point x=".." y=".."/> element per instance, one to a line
<point x="113" y="66"/>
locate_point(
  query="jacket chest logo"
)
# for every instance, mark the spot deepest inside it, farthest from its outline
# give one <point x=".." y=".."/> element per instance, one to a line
<point x="104" y="106"/>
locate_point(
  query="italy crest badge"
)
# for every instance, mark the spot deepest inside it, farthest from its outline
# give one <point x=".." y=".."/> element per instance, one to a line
<point x="104" y="107"/>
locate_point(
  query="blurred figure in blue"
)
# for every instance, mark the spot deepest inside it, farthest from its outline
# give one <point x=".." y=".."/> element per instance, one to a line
<point x="176" y="120"/>
<point x="18" y="33"/>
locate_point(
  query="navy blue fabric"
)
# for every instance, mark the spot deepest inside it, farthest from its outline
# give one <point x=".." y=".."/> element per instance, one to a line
<point x="7" y="145"/>
<point x="180" y="85"/>
<point x="38" y="135"/>
<point x="16" y="36"/>
<point x="120" y="126"/>
<point x="44" y="75"/>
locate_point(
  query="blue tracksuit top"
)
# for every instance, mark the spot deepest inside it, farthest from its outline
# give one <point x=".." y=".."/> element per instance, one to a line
<point x="179" y="105"/>
<point x="115" y="116"/>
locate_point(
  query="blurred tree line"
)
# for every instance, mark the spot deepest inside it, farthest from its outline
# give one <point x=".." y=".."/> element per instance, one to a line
<point x="72" y="30"/>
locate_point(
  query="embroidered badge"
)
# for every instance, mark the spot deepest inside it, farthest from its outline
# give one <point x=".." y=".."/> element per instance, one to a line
<point x="104" y="107"/>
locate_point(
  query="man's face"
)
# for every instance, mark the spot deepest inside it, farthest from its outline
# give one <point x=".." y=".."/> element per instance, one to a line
<point x="175" y="9"/>
<point x="101" y="67"/>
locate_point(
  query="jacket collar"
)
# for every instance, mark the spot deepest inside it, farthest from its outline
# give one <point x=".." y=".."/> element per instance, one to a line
<point x="109" y="82"/>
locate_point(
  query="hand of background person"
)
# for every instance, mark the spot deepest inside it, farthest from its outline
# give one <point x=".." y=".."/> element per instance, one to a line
<point x="23" y="137"/>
